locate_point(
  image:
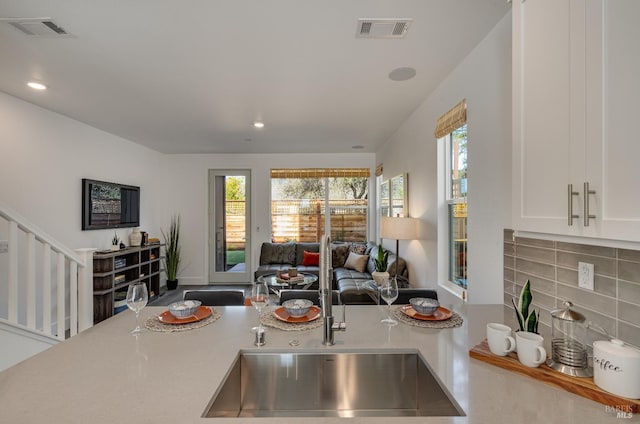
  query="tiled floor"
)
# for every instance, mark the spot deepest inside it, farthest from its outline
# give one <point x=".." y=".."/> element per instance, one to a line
<point x="170" y="296"/>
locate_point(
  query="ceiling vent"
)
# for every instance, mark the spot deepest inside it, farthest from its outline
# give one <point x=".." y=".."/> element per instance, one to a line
<point x="37" y="27"/>
<point x="383" y="28"/>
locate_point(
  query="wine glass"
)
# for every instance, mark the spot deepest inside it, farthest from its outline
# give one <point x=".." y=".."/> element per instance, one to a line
<point x="259" y="299"/>
<point x="137" y="298"/>
<point x="389" y="292"/>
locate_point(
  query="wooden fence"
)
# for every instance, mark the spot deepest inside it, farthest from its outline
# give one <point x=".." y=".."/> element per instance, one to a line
<point x="303" y="220"/>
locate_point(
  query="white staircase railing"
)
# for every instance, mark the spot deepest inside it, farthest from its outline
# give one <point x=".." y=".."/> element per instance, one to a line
<point x="47" y="283"/>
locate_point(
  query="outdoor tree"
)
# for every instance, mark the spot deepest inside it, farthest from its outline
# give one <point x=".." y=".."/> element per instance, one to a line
<point x="234" y="188"/>
<point x="313" y="188"/>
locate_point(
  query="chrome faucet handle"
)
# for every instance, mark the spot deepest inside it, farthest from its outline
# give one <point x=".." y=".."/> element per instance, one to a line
<point x="342" y="325"/>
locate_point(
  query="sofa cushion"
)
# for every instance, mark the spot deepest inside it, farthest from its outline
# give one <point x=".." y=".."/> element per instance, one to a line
<point x="311" y="258"/>
<point x="278" y="253"/>
<point x="358" y="291"/>
<point x="339" y="253"/>
<point x="356" y="262"/>
<point x="305" y="247"/>
<point x="350" y="274"/>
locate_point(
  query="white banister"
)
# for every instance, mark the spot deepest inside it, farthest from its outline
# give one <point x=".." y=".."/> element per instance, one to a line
<point x="31" y="280"/>
<point x="85" y="290"/>
<point x="46" y="289"/>
<point x="73" y="299"/>
<point x="30" y="286"/>
<point x="12" y="294"/>
<point x="60" y="321"/>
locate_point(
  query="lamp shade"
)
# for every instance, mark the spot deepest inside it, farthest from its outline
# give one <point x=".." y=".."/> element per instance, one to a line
<point x="399" y="228"/>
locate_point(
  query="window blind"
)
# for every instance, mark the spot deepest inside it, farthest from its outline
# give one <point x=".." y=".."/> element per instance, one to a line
<point x="321" y="173"/>
<point x="378" y="170"/>
<point x="452" y="120"/>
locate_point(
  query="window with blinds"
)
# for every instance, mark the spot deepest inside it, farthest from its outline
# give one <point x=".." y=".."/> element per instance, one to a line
<point x="307" y="202"/>
<point x="451" y="129"/>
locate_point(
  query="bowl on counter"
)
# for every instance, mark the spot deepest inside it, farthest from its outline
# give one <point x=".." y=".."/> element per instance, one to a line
<point x="297" y="307"/>
<point x="184" y="308"/>
<point x="424" y="305"/>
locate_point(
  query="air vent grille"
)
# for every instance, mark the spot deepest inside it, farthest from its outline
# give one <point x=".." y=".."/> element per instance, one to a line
<point x="37" y="27"/>
<point x="383" y="28"/>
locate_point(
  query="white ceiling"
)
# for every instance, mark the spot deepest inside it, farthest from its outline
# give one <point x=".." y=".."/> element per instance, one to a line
<point x="191" y="76"/>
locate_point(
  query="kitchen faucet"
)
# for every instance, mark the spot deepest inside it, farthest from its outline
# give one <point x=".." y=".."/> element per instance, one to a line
<point x="326" y="294"/>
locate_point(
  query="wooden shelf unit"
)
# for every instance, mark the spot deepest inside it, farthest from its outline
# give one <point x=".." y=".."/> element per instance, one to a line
<point x="114" y="271"/>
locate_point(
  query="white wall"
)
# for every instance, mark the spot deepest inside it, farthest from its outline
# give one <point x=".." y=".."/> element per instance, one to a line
<point x="19" y="344"/>
<point x="484" y="79"/>
<point x="189" y="180"/>
<point x="45" y="155"/>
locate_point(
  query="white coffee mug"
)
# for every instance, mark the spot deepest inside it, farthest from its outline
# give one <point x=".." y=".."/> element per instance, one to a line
<point x="500" y="339"/>
<point x="531" y="353"/>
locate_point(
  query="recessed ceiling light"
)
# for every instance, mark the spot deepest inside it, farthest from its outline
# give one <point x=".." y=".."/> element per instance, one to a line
<point x="36" y="85"/>
<point x="402" y="74"/>
<point x="258" y="124"/>
<point x="357" y="147"/>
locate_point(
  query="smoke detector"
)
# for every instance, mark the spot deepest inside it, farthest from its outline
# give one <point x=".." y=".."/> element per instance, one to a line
<point x="37" y="27"/>
<point x="383" y="28"/>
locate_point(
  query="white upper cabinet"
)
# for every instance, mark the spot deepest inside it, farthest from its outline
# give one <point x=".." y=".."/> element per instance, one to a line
<point x="613" y="108"/>
<point x="575" y="90"/>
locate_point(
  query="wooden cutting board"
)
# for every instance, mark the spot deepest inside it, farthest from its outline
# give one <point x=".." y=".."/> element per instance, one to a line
<point x="580" y="386"/>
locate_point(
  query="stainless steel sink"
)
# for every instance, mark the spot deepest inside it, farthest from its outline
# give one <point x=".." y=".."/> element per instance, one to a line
<point x="388" y="384"/>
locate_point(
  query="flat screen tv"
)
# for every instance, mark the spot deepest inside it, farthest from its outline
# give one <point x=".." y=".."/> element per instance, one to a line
<point x="109" y="205"/>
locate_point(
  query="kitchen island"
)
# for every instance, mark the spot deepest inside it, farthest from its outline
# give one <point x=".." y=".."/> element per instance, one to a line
<point x="105" y="375"/>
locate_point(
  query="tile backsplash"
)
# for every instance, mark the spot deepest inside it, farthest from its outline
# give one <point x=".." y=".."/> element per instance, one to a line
<point x="552" y="268"/>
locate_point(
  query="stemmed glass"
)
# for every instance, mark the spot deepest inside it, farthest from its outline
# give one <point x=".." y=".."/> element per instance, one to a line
<point x="389" y="292"/>
<point x="259" y="299"/>
<point x="137" y="298"/>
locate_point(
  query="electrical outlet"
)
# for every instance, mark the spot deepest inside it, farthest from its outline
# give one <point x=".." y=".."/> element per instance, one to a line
<point x="4" y="246"/>
<point x="585" y="275"/>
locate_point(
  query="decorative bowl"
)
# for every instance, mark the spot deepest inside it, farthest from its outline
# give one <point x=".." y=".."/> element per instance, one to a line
<point x="297" y="307"/>
<point x="424" y="305"/>
<point x="184" y="308"/>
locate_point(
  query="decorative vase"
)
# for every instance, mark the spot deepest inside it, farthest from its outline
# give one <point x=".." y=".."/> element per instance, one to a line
<point x="115" y="247"/>
<point x="172" y="284"/>
<point x="135" y="238"/>
<point x="380" y="277"/>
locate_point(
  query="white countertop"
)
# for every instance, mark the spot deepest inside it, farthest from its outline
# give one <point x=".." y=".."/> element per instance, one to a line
<point x="105" y="375"/>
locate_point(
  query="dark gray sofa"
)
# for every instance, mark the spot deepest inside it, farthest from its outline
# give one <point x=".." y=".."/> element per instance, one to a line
<point x="282" y="256"/>
<point x="351" y="284"/>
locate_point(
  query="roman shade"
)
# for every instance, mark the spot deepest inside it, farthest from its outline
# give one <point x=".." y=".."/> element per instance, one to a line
<point x="321" y="173"/>
<point x="452" y="120"/>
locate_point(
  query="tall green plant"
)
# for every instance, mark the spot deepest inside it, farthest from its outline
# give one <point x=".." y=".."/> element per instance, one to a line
<point x="528" y="321"/>
<point x="173" y="254"/>
<point x="381" y="260"/>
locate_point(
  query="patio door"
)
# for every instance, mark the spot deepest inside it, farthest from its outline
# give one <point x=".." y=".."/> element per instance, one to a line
<point x="229" y="226"/>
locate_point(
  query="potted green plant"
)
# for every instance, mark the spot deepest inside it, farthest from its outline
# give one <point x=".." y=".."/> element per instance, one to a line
<point x="115" y="242"/>
<point x="527" y="320"/>
<point x="381" y="261"/>
<point x="173" y="254"/>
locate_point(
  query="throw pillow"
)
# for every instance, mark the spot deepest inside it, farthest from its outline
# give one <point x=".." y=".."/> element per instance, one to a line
<point x="358" y="248"/>
<point x="282" y="253"/>
<point x="339" y="255"/>
<point x="311" y="259"/>
<point x="356" y="262"/>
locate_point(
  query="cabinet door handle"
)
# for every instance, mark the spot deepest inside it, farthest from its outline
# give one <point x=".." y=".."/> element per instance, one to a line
<point x="570" y="193"/>
<point x="585" y="202"/>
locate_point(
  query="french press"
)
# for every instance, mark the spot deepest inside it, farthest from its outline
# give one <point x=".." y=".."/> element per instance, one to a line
<point x="568" y="347"/>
